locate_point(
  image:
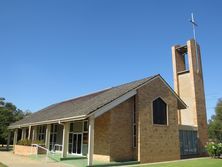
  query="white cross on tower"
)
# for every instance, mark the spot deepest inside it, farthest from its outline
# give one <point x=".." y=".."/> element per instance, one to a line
<point x="194" y="24"/>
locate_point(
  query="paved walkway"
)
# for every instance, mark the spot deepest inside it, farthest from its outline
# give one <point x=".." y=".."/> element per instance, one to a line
<point x="12" y="160"/>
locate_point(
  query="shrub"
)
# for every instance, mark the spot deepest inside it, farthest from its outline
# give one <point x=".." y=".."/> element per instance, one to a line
<point x="214" y="149"/>
<point x="26" y="142"/>
<point x="39" y="142"/>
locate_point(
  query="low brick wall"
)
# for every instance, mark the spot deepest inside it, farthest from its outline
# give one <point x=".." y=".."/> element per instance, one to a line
<point x="24" y="150"/>
<point x="102" y="158"/>
<point x="27" y="150"/>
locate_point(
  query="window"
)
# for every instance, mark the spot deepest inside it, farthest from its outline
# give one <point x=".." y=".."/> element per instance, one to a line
<point x="53" y="136"/>
<point x="78" y="126"/>
<point x="186" y="61"/>
<point x="41" y="132"/>
<point x="188" y="142"/>
<point x="183" y="59"/>
<point x="85" y="132"/>
<point x="159" y="112"/>
<point x="85" y="126"/>
<point x="71" y="127"/>
<point x="134" y="124"/>
<point x="26" y="133"/>
<point x="78" y="137"/>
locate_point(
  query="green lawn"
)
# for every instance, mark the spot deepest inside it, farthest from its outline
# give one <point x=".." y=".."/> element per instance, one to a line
<point x="206" y="162"/>
<point x="2" y="165"/>
<point x="201" y="162"/>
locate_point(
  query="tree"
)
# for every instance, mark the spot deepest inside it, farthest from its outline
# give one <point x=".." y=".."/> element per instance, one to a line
<point x="9" y="113"/>
<point x="215" y="123"/>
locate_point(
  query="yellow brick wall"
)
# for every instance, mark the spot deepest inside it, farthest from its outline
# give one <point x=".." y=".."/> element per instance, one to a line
<point x="114" y="133"/>
<point x="157" y="142"/>
<point x="121" y="132"/>
<point x="102" y="135"/>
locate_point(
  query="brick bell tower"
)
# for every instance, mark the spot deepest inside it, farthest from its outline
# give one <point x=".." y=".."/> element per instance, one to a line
<point x="188" y="84"/>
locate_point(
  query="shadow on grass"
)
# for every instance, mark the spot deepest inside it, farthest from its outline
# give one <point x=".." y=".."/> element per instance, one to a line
<point x="2" y="165"/>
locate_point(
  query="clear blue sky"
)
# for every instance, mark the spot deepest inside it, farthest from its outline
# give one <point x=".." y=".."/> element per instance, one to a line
<point x="56" y="50"/>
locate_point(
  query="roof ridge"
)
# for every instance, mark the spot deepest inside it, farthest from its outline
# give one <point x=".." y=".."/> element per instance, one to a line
<point x="146" y="80"/>
<point x="95" y="92"/>
<point x="153" y="76"/>
<point x="85" y="95"/>
<point x="75" y="98"/>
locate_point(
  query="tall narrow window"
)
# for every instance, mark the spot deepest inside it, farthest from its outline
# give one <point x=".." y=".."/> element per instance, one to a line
<point x="85" y="132"/>
<point x="53" y="136"/>
<point x="159" y="112"/>
<point x="41" y="132"/>
<point x="26" y="133"/>
<point x="134" y="124"/>
<point x="186" y="61"/>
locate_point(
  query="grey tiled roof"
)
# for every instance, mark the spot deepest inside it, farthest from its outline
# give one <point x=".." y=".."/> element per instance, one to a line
<point x="82" y="105"/>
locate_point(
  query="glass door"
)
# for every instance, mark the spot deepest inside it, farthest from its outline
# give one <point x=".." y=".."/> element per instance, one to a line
<point x="75" y="143"/>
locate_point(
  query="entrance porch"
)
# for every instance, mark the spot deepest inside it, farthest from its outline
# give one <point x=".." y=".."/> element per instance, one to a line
<point x="73" y="138"/>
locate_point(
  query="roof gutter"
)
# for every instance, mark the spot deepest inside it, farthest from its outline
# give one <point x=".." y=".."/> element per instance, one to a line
<point x="59" y="121"/>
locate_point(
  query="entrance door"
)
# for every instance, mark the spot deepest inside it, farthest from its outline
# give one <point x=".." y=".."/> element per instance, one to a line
<point x="76" y="143"/>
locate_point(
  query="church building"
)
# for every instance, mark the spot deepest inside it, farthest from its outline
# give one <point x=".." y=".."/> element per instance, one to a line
<point x="144" y="120"/>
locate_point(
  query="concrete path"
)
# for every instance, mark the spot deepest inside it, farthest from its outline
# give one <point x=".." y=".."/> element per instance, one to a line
<point x="12" y="160"/>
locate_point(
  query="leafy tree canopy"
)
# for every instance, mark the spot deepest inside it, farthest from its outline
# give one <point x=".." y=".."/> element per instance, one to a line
<point x="9" y="113"/>
<point x="215" y="123"/>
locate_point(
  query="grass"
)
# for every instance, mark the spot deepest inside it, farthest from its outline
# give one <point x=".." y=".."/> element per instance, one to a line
<point x="77" y="161"/>
<point x="203" y="162"/>
<point x="2" y="165"/>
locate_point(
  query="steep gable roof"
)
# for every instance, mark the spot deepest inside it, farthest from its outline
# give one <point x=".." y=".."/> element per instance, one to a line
<point x="82" y="106"/>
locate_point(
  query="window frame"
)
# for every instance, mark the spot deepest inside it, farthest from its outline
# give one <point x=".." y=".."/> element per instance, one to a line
<point x="167" y="113"/>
